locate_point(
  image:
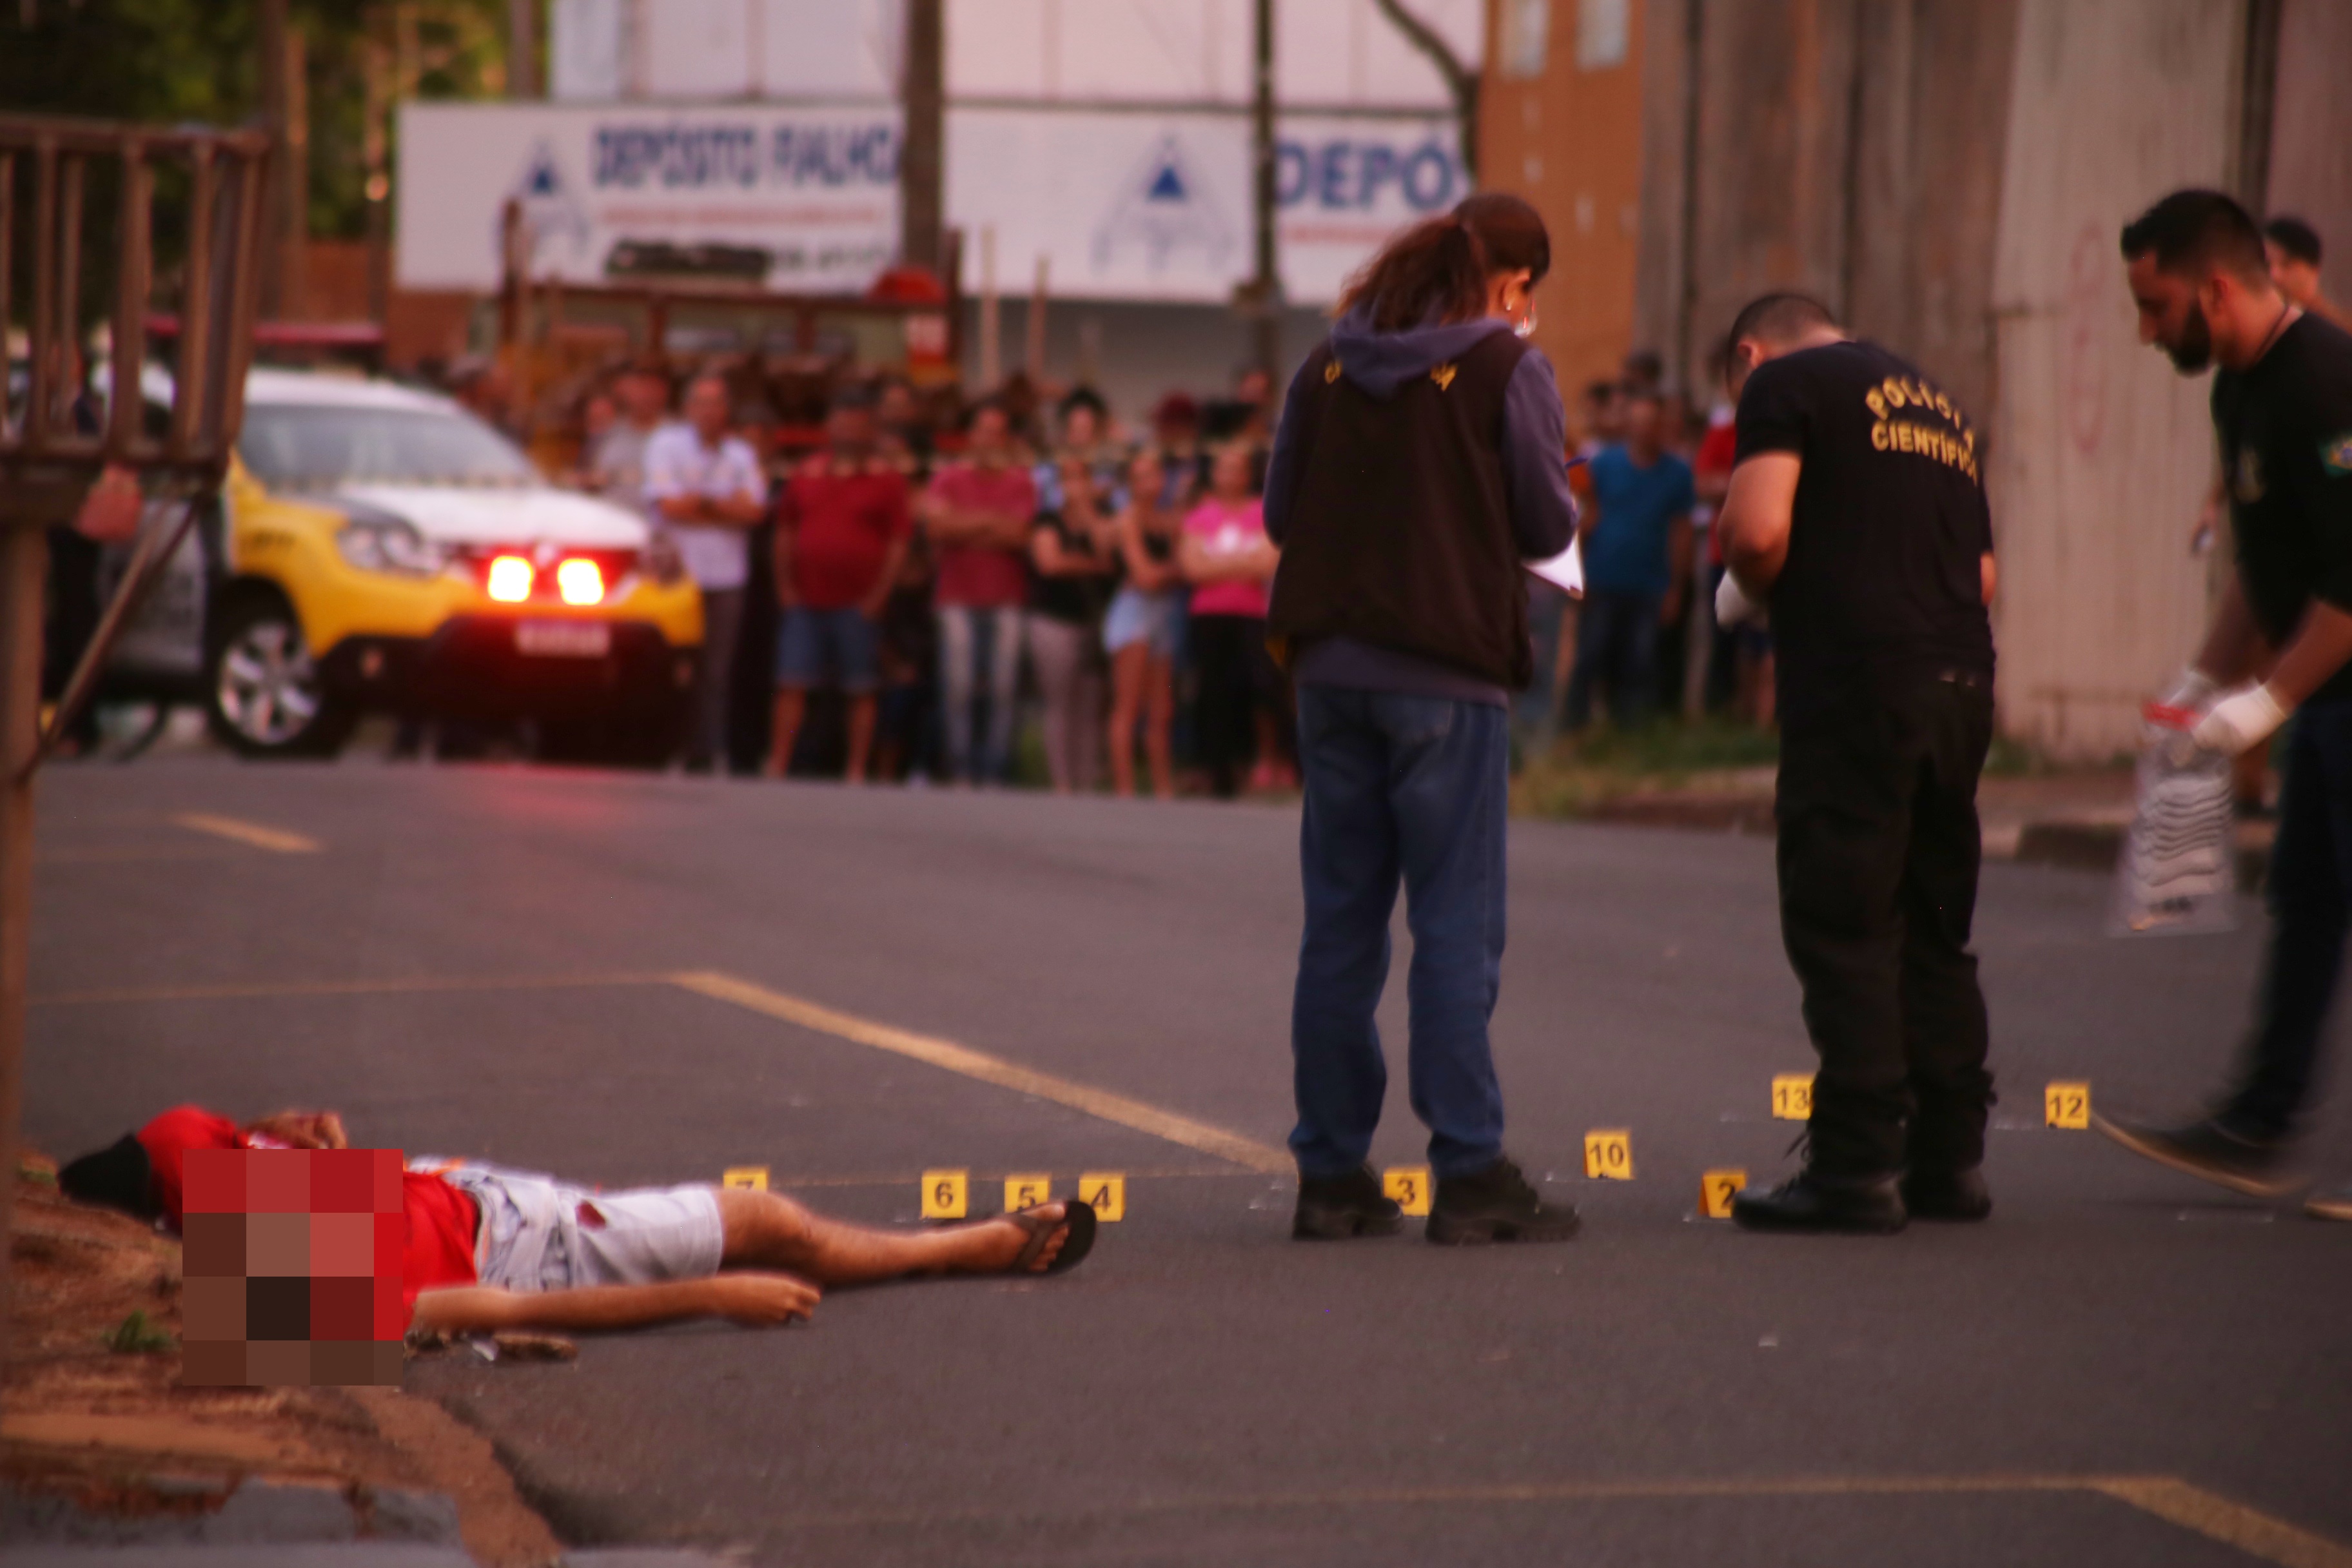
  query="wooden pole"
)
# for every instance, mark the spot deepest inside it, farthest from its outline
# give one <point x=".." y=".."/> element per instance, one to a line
<point x="991" y="360"/>
<point x="272" y="258"/>
<point x="920" y="221"/>
<point x="23" y="571"/>
<point x="522" y="48"/>
<point x="1266" y="286"/>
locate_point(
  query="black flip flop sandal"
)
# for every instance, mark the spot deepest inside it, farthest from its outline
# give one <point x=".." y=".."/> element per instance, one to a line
<point x="1078" y="1214"/>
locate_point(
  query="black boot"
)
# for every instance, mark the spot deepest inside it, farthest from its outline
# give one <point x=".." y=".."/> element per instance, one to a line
<point x="1957" y="1195"/>
<point x="1810" y="1202"/>
<point x="1334" y="1208"/>
<point x="1496" y="1205"/>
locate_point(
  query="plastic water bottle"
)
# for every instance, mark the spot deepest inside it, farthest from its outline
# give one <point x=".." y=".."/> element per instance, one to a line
<point x="2178" y="871"/>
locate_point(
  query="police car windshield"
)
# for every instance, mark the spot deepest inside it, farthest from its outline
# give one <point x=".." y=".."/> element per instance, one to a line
<point x="290" y="447"/>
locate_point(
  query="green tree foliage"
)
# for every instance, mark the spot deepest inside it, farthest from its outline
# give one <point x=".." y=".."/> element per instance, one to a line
<point x="170" y="61"/>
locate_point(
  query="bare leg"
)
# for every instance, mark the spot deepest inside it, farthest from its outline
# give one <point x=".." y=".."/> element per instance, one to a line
<point x="792" y="705"/>
<point x="861" y="735"/>
<point x="1159" y="725"/>
<point x="769" y="1230"/>
<point x="1129" y="666"/>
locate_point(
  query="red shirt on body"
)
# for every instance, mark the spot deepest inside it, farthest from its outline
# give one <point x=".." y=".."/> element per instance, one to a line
<point x="984" y="576"/>
<point x="843" y="518"/>
<point x="442" y="1221"/>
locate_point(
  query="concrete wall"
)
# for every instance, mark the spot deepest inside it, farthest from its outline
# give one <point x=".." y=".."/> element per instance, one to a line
<point x="2311" y="132"/>
<point x="1569" y="139"/>
<point x="2100" y="453"/>
<point x="1950" y="177"/>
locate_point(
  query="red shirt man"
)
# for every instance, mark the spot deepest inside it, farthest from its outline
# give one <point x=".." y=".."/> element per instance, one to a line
<point x="442" y="1221"/>
<point x="845" y="518"/>
<point x="843" y="528"/>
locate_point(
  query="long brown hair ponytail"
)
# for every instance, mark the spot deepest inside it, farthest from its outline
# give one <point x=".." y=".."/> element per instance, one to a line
<point x="1436" y="270"/>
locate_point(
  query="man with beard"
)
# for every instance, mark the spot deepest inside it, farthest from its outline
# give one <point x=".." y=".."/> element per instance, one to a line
<point x="2283" y="408"/>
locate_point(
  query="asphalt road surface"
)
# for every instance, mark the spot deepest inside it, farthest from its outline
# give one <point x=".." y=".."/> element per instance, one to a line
<point x="611" y="977"/>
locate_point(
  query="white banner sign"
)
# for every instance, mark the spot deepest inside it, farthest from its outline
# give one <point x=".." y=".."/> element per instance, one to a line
<point x="1156" y="205"/>
<point x="808" y="197"/>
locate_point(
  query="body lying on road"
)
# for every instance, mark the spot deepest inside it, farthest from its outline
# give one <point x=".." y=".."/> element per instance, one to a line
<point x="490" y="1248"/>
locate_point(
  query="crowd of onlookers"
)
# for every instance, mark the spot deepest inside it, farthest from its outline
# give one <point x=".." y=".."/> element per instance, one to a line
<point x="900" y="585"/>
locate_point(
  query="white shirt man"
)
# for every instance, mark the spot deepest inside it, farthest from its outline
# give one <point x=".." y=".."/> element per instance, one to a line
<point x="706" y="488"/>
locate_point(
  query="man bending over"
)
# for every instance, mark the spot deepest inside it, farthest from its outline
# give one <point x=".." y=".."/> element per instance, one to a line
<point x="490" y="1248"/>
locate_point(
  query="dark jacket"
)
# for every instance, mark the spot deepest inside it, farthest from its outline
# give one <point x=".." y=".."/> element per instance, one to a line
<point x="1411" y="472"/>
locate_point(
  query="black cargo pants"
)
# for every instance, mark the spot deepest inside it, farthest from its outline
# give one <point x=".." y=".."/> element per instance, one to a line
<point x="1878" y="857"/>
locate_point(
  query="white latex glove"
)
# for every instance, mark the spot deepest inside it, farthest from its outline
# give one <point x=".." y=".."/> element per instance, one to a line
<point x="2189" y="690"/>
<point x="2240" y="721"/>
<point x="1732" y="607"/>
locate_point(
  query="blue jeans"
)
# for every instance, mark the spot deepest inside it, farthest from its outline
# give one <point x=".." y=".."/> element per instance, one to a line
<point x="828" y="647"/>
<point x="980" y="655"/>
<point x="2311" y="913"/>
<point x="1616" y="642"/>
<point x="1413" y="789"/>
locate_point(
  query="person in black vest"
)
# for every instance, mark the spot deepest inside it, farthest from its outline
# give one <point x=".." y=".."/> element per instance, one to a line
<point x="2283" y="408"/>
<point x="1421" y="458"/>
<point x="1857" y="512"/>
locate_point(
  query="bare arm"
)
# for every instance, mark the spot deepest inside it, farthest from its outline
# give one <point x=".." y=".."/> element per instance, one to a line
<point x="744" y="509"/>
<point x="2233" y="643"/>
<point x="1679" y="566"/>
<point x="2320" y="647"/>
<point x="684" y="508"/>
<point x="894" y="560"/>
<point x="1146" y="573"/>
<point x="754" y="1299"/>
<point x="1988" y="576"/>
<point x="1757" y="511"/>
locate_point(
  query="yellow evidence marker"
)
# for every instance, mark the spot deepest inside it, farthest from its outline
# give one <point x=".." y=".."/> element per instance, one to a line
<point x="1716" y="1190"/>
<point x="946" y="1194"/>
<point x="1409" y="1185"/>
<point x="753" y="1177"/>
<point x="2067" y="1105"/>
<point x="1106" y="1194"/>
<point x="1608" y="1155"/>
<point x="1792" y="1096"/>
<point x="1027" y="1191"/>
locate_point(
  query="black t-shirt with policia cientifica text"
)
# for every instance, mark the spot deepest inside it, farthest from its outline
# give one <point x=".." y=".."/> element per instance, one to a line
<point x="2285" y="425"/>
<point x="1889" y="525"/>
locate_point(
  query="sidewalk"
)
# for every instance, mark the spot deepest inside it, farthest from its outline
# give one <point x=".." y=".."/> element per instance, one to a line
<point x="2072" y="819"/>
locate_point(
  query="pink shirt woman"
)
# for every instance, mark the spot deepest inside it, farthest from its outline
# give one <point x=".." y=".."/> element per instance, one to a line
<point x="1222" y="529"/>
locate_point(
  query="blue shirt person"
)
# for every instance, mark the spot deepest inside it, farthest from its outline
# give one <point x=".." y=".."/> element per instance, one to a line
<point x="1636" y="565"/>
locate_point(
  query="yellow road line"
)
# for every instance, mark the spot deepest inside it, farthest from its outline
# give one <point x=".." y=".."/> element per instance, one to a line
<point x="124" y="857"/>
<point x="1247" y="1152"/>
<point x="914" y="1178"/>
<point x="275" y="839"/>
<point x="2175" y="1502"/>
<point x="2232" y="1524"/>
<point x="414" y="985"/>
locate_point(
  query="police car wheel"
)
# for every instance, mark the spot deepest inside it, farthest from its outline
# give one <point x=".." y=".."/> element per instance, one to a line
<point x="264" y="692"/>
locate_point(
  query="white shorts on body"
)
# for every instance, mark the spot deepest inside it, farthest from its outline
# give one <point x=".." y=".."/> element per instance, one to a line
<point x="539" y="1234"/>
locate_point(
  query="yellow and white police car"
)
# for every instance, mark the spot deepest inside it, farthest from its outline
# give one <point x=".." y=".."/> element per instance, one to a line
<point x="380" y="547"/>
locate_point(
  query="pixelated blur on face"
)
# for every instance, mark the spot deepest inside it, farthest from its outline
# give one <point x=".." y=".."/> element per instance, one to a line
<point x="1080" y="427"/>
<point x="897" y="404"/>
<point x="987" y="430"/>
<point x="1641" y="421"/>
